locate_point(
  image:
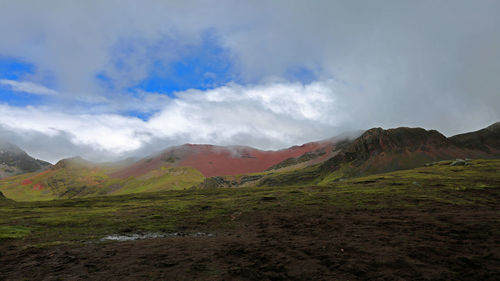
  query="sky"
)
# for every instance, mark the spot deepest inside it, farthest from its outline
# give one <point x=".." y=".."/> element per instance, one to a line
<point x="111" y="79"/>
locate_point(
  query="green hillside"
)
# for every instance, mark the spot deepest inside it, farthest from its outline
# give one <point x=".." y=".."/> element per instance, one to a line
<point x="85" y="180"/>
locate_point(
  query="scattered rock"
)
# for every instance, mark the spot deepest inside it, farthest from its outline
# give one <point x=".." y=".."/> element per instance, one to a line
<point x="459" y="162"/>
<point x="220" y="181"/>
<point x="235" y="215"/>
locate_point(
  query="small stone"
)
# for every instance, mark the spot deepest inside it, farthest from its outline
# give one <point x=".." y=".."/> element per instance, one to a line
<point x="458" y="162"/>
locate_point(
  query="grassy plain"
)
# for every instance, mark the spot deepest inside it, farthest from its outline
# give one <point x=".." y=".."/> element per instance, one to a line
<point x="401" y="215"/>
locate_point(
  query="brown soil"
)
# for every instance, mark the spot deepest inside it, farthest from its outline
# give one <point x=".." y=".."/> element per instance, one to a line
<point x="443" y="242"/>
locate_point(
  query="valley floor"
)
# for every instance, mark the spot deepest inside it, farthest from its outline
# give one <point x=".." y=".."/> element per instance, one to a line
<point x="431" y="223"/>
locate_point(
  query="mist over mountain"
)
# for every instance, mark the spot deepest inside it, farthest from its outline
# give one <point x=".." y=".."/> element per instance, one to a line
<point x="208" y="166"/>
<point x="15" y="161"/>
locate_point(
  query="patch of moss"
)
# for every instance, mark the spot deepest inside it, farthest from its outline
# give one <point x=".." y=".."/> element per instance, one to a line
<point x="13" y="232"/>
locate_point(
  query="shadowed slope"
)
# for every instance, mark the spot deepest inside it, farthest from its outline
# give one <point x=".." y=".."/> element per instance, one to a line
<point x="378" y="150"/>
<point x="486" y="140"/>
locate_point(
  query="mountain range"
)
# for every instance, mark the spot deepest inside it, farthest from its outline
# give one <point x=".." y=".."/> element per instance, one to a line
<point x="373" y="151"/>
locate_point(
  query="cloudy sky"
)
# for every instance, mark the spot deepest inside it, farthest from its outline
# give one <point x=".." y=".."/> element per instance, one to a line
<point x="109" y="79"/>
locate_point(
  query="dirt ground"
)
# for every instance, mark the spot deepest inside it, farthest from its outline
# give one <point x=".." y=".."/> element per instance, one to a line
<point x="441" y="242"/>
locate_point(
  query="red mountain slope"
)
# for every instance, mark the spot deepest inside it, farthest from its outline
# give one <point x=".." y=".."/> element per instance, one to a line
<point x="213" y="160"/>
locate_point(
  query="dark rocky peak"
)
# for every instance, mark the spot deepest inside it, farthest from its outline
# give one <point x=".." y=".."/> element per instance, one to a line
<point x="377" y="140"/>
<point x="486" y="139"/>
<point x="14" y="160"/>
<point x="399" y="139"/>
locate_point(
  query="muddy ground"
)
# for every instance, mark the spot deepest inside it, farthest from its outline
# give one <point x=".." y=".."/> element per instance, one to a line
<point x="440" y="242"/>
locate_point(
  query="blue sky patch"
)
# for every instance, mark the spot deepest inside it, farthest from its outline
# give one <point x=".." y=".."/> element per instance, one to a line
<point x="14" y="69"/>
<point x="19" y="98"/>
<point x="302" y="74"/>
<point x="204" y="66"/>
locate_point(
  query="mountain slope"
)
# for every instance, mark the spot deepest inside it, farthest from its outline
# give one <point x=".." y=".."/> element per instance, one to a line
<point x="213" y="160"/>
<point x="14" y="161"/>
<point x="178" y="167"/>
<point x="76" y="177"/>
<point x="486" y="140"/>
<point x="378" y="150"/>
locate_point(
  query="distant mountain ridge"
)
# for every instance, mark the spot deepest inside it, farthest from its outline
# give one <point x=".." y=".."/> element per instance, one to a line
<point x="14" y="161"/>
<point x="374" y="151"/>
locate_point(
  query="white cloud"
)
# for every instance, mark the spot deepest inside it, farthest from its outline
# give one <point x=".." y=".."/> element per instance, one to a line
<point x="267" y="116"/>
<point x="112" y="134"/>
<point x="27" y="87"/>
<point x="277" y="111"/>
<point x="414" y="63"/>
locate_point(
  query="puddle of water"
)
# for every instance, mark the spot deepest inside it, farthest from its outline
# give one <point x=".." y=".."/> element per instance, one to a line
<point x="131" y="237"/>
